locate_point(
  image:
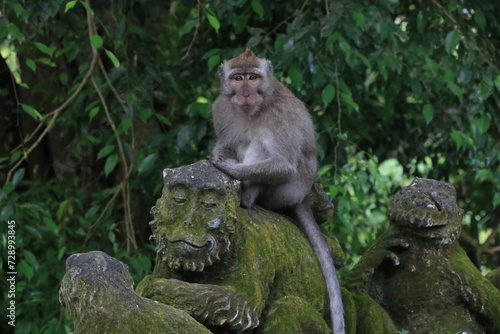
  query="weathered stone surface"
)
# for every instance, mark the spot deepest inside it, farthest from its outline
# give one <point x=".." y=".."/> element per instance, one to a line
<point x="230" y="268"/>
<point x="494" y="277"/>
<point x="98" y="292"/>
<point x="419" y="274"/>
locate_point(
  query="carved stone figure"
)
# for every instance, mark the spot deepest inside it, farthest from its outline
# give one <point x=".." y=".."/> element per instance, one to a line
<point x="98" y="292"/>
<point x="494" y="277"/>
<point x="418" y="272"/>
<point x="232" y="269"/>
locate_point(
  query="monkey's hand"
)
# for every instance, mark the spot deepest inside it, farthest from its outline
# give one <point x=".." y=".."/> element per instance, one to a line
<point x="228" y="166"/>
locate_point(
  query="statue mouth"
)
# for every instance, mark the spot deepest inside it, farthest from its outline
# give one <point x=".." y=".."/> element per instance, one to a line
<point x="188" y="242"/>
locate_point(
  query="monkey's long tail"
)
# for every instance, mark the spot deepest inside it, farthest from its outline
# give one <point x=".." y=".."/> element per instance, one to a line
<point x="318" y="242"/>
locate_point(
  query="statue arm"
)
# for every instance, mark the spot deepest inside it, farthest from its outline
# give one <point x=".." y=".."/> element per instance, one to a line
<point x="385" y="249"/>
<point x="481" y="297"/>
<point x="212" y="304"/>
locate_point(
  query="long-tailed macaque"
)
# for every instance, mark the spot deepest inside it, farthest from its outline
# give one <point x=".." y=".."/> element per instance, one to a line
<point x="266" y="139"/>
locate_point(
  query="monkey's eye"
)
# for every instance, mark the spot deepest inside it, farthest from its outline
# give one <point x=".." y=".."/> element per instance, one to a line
<point x="238" y="77"/>
<point x="253" y="77"/>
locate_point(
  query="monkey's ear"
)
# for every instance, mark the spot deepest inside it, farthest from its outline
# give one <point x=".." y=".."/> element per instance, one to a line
<point x="269" y="66"/>
<point x="220" y="70"/>
<point x="166" y="173"/>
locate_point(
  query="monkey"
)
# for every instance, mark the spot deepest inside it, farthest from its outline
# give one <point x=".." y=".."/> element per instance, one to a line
<point x="266" y="139"/>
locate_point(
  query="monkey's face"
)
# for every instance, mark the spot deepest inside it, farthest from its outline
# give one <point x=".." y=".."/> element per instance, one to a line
<point x="246" y="90"/>
<point x="428" y="209"/>
<point x="246" y="80"/>
<point x="190" y="227"/>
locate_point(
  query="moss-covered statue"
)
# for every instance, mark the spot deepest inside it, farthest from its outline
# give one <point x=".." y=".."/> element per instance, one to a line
<point x="418" y="272"/>
<point x="229" y="268"/>
<point x="97" y="292"/>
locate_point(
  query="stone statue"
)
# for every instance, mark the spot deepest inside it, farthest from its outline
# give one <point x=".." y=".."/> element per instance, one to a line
<point x="97" y="291"/>
<point x="494" y="277"/>
<point x="232" y="269"/>
<point x="418" y="273"/>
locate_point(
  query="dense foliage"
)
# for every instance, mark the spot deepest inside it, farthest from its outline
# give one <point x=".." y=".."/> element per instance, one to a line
<point x="97" y="97"/>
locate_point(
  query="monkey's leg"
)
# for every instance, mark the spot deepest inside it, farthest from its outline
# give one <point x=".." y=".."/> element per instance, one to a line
<point x="249" y="194"/>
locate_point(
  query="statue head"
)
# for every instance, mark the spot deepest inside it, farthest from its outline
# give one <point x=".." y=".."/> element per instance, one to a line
<point x="427" y="209"/>
<point x="194" y="219"/>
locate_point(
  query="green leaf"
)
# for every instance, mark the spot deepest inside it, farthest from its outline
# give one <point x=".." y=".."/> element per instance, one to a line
<point x="457" y="138"/>
<point x="348" y="101"/>
<point x="61" y="209"/>
<point x="50" y="224"/>
<point x="31" y="64"/>
<point x="25" y="270"/>
<point x="482" y="124"/>
<point x="18" y="176"/>
<point x="496" y="199"/>
<point x="69" y="5"/>
<point x="497" y="82"/>
<point x="93" y="112"/>
<point x="296" y="77"/>
<point x="110" y="164"/>
<point x="200" y="108"/>
<point x="327" y="94"/>
<point x="46" y="61"/>
<point x="214" y="22"/>
<point x="451" y="41"/>
<point x="428" y="112"/>
<point x="96" y="41"/>
<point x="187" y="27"/>
<point x="455" y="89"/>
<point x="146" y="164"/>
<point x="125" y="125"/>
<point x="113" y="58"/>
<point x="483" y="175"/>
<point x="163" y="119"/>
<point x="45" y="49"/>
<point x="479" y="19"/>
<point x="105" y="151"/>
<point x="461" y="139"/>
<point x="31" y="111"/>
<point x="213" y="61"/>
<point x="87" y="7"/>
<point x="360" y="19"/>
<point x="258" y="8"/>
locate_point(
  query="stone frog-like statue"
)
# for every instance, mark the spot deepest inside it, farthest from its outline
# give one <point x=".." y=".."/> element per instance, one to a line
<point x="418" y="272"/>
<point x="232" y="269"/>
<point x="97" y="290"/>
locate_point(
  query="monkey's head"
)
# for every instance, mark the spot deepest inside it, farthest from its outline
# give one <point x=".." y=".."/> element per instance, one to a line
<point x="194" y="219"/>
<point x="428" y="209"/>
<point x="246" y="80"/>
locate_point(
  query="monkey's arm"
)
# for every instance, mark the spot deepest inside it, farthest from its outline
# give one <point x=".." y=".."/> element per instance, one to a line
<point x="268" y="171"/>
<point x="220" y="151"/>
<point x="213" y="304"/>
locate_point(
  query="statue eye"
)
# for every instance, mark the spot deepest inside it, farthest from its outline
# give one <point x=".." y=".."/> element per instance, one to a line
<point x="209" y="204"/>
<point x="179" y="200"/>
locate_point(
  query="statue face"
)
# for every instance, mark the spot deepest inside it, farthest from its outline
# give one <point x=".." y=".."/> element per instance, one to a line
<point x="428" y="209"/>
<point x="194" y="218"/>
